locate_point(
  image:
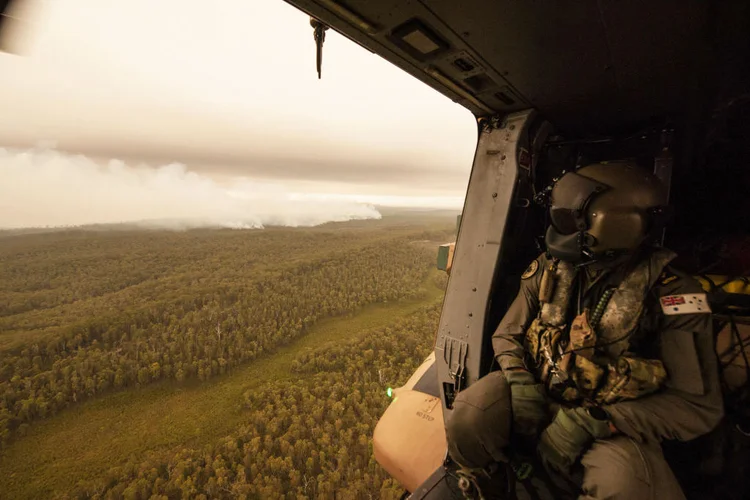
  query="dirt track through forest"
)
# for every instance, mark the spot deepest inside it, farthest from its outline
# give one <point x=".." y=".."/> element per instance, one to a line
<point x="85" y="441"/>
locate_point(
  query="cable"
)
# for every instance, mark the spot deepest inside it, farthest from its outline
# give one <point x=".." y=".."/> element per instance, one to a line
<point x="745" y="343"/>
<point x="740" y="343"/>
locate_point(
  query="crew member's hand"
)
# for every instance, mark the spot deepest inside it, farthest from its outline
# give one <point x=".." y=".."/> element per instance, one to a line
<point x="569" y="435"/>
<point x="528" y="402"/>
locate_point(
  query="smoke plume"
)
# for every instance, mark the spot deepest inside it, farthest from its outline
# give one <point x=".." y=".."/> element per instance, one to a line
<point x="46" y="188"/>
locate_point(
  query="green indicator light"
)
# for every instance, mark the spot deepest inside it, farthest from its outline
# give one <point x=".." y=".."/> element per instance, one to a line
<point x="389" y="392"/>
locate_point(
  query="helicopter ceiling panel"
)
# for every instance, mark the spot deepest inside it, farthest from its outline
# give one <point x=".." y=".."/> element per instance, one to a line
<point x="594" y="62"/>
<point x="589" y="63"/>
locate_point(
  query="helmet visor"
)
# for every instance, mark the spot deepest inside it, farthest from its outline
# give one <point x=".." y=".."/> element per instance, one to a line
<point x="570" y="196"/>
<point x="566" y="220"/>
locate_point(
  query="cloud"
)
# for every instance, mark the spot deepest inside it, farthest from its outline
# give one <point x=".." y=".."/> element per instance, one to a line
<point x="193" y="84"/>
<point x="43" y="187"/>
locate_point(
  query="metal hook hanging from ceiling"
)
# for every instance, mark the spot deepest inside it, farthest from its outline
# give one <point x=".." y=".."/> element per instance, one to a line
<point x="319" y="32"/>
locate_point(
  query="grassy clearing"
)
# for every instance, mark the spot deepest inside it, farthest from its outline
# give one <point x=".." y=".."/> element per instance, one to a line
<point x="84" y="442"/>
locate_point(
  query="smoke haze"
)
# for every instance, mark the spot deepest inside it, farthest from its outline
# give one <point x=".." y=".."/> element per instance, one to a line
<point x="43" y="187"/>
<point x="216" y="116"/>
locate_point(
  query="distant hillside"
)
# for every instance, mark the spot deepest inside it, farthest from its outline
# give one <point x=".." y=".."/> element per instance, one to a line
<point x="392" y="216"/>
<point x="436" y="212"/>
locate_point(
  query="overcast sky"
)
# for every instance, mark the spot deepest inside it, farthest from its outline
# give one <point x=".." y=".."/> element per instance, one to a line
<point x="226" y="88"/>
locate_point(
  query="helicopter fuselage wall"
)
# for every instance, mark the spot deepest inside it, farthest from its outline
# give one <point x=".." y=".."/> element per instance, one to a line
<point x="489" y="201"/>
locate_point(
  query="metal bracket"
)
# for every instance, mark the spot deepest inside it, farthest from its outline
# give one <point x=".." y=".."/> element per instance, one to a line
<point x="493" y="122"/>
<point x="454" y="355"/>
<point x="663" y="165"/>
<point x="664" y="161"/>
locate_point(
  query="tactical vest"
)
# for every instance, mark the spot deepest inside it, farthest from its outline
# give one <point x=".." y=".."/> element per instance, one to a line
<point x="586" y="359"/>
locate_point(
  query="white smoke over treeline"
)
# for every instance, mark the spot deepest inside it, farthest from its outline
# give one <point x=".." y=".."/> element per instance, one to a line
<point x="47" y="188"/>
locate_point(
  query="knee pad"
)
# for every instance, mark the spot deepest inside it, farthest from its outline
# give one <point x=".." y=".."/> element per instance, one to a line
<point x="478" y="428"/>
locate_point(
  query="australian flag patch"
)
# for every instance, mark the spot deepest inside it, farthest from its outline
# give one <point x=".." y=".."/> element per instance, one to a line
<point x="687" y="303"/>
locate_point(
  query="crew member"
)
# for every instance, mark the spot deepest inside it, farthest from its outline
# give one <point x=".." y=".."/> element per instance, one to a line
<point x="607" y="349"/>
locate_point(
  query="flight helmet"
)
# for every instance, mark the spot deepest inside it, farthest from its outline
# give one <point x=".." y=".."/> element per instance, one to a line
<point x="604" y="211"/>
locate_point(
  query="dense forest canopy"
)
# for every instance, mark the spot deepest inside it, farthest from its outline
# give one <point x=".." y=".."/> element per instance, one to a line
<point x="84" y="313"/>
<point x="305" y="438"/>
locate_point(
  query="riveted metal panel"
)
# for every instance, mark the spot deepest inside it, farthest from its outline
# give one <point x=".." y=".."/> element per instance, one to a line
<point x="484" y="221"/>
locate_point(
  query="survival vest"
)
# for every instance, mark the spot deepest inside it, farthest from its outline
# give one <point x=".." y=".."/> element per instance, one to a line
<point x="588" y="358"/>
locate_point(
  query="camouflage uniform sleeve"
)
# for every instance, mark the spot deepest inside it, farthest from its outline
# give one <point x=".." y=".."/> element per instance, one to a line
<point x="507" y="341"/>
<point x="691" y="403"/>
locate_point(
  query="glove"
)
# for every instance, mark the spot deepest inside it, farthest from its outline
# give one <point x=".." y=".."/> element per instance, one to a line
<point x="528" y="402"/>
<point x="569" y="435"/>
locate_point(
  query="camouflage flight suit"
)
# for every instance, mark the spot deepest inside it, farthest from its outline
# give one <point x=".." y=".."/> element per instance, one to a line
<point x="686" y="404"/>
